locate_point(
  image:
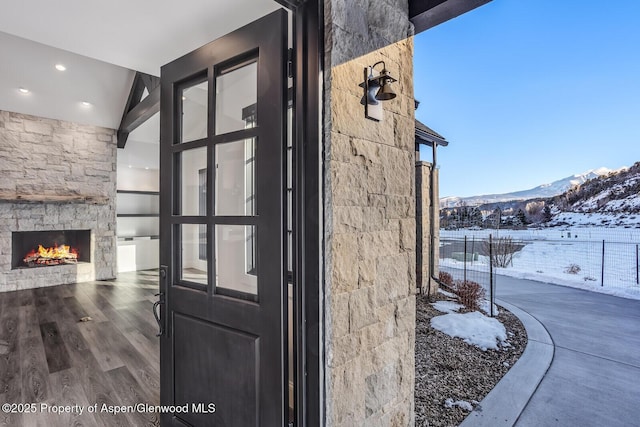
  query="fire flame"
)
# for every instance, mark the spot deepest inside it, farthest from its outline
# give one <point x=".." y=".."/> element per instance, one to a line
<point x="56" y="252"/>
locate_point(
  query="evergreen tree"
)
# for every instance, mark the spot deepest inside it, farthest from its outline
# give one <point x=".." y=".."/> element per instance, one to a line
<point x="546" y="214"/>
<point x="476" y="216"/>
<point x="522" y="217"/>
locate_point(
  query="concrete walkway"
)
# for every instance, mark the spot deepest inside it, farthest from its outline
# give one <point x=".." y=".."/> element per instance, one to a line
<point x="594" y="377"/>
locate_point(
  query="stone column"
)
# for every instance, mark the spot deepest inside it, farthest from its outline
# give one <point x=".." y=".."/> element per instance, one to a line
<point x="427" y="227"/>
<point x="435" y="206"/>
<point x="369" y="207"/>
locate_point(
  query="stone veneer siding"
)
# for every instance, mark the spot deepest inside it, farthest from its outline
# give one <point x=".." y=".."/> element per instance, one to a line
<point x="41" y="156"/>
<point x="369" y="208"/>
<point x="426" y="260"/>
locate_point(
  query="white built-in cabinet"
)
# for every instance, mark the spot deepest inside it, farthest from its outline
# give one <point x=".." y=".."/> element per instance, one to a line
<point x="138" y="216"/>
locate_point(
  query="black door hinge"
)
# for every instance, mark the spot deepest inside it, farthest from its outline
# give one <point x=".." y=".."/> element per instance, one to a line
<point x="290" y="63"/>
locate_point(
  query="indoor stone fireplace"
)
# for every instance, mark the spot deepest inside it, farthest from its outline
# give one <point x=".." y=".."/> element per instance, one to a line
<point x="58" y="177"/>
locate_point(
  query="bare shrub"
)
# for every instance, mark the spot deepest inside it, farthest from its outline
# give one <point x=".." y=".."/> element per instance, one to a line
<point x="502" y="251"/>
<point x="572" y="269"/>
<point x="445" y="278"/>
<point x="469" y="293"/>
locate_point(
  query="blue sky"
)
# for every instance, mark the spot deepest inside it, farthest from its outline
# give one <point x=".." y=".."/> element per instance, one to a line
<point x="531" y="91"/>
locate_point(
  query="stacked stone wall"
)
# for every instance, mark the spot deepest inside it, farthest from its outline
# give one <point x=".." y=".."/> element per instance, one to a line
<point x="369" y="207"/>
<point x="44" y="157"/>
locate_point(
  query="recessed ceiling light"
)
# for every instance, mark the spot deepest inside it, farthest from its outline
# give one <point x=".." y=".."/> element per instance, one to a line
<point x="184" y="98"/>
<point x="60" y="67"/>
<point x="130" y="166"/>
<point x="86" y="103"/>
<point x="146" y="167"/>
<point x="23" y="90"/>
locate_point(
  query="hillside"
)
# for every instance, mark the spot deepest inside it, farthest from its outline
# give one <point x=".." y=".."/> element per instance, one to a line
<point x="613" y="193"/>
<point x="610" y="199"/>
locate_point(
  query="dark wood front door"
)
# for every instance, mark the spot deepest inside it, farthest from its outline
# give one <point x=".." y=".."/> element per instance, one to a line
<point x="223" y="151"/>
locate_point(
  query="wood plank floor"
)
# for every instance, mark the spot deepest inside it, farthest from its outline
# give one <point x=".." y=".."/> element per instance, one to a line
<point x="47" y="355"/>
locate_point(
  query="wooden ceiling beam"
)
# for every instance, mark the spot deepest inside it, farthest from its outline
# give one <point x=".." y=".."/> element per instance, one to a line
<point x="150" y="82"/>
<point x="138" y="110"/>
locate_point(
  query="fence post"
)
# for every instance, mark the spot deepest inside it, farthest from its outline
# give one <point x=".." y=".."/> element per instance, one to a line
<point x="465" y="258"/>
<point x="637" y="275"/>
<point x="491" y="295"/>
<point x="473" y="244"/>
<point x="602" y="270"/>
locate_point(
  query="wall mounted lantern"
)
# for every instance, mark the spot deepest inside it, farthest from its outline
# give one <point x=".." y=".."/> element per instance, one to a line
<point x="377" y="87"/>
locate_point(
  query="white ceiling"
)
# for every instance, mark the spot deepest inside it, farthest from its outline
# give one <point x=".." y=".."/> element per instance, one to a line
<point x="141" y="35"/>
<point x="100" y="43"/>
<point x="59" y="94"/>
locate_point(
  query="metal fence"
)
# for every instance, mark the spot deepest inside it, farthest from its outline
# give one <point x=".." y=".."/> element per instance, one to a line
<point x="578" y="257"/>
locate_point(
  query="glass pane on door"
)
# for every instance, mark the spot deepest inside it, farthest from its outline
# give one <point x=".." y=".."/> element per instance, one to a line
<point x="236" y="263"/>
<point x="236" y="97"/>
<point x="193" y="182"/>
<point x="193" y="239"/>
<point x="235" y="178"/>
<point x="194" y="101"/>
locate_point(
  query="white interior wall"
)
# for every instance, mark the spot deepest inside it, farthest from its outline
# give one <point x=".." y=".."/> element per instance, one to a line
<point x="137" y="179"/>
<point x="138" y="166"/>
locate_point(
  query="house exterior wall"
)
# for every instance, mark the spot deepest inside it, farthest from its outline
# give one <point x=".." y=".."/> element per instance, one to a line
<point x="44" y="157"/>
<point x="427" y="207"/>
<point x="369" y="208"/>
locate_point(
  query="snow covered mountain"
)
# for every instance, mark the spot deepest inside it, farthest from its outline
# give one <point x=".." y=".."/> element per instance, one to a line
<point x="617" y="193"/>
<point x="542" y="191"/>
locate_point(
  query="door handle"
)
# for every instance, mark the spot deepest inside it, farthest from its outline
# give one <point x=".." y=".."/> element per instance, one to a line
<point x="156" y="315"/>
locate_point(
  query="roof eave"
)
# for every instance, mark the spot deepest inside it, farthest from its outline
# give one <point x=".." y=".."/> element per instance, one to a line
<point x="429" y="140"/>
<point x="427" y="14"/>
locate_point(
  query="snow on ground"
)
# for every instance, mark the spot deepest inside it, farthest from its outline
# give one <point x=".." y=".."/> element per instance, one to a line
<point x="447" y="306"/>
<point x="452" y="307"/>
<point x="596" y="219"/>
<point x="629" y="233"/>
<point x="569" y="256"/>
<point x="447" y="294"/>
<point x="550" y="264"/>
<point x="450" y="403"/>
<point x="485" y="306"/>
<point x="474" y="328"/>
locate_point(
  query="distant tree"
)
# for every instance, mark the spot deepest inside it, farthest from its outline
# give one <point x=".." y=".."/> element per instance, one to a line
<point x="507" y="221"/>
<point x="444" y="218"/>
<point x="454" y="218"/>
<point x="497" y="217"/>
<point x="533" y="209"/>
<point x="475" y="216"/>
<point x="522" y="217"/>
<point x="546" y="214"/>
<point x="463" y="215"/>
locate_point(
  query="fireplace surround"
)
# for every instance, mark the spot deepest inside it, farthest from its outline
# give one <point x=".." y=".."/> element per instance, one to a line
<point x="69" y="186"/>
